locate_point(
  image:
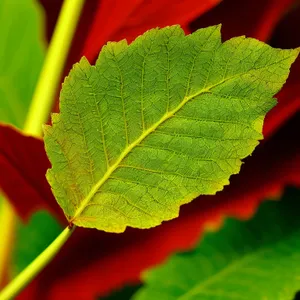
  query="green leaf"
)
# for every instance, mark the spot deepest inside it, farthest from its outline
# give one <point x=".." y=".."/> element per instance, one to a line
<point x="21" y="57"/>
<point x="155" y="124"/>
<point x="33" y="239"/>
<point x="258" y="259"/>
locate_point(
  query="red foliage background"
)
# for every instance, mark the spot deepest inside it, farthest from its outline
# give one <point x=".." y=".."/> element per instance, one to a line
<point x="93" y="263"/>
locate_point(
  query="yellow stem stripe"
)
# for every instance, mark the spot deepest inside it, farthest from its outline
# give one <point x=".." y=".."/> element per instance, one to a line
<point x="7" y="221"/>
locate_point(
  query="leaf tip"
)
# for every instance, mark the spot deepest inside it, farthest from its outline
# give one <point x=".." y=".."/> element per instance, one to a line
<point x="84" y="62"/>
<point x="296" y="51"/>
<point x="219" y="26"/>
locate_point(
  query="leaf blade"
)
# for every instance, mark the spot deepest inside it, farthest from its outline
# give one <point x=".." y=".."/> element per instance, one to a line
<point x="256" y="259"/>
<point x="19" y="41"/>
<point x="159" y="85"/>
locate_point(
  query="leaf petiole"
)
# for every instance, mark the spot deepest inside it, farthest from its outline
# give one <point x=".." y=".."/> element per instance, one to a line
<point x="14" y="287"/>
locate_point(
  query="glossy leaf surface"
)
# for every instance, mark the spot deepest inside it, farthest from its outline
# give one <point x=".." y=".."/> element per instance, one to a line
<point x="258" y="259"/>
<point x="157" y="123"/>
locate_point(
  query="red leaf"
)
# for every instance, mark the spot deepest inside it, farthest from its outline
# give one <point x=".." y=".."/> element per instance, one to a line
<point x="23" y="165"/>
<point x="118" y="20"/>
<point x="250" y="17"/>
<point x="288" y="101"/>
<point x="93" y="263"/>
<point x="289" y="97"/>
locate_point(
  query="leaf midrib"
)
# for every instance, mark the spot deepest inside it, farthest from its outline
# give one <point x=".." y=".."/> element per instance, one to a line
<point x="223" y="272"/>
<point x="237" y="264"/>
<point x="130" y="147"/>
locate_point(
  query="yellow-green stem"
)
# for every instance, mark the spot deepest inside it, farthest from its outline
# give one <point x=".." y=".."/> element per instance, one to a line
<point x="13" y="288"/>
<point x="49" y="79"/>
<point x="38" y="114"/>
<point x="7" y="219"/>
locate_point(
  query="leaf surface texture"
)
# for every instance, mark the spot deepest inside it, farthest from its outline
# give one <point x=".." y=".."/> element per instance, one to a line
<point x="154" y="124"/>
